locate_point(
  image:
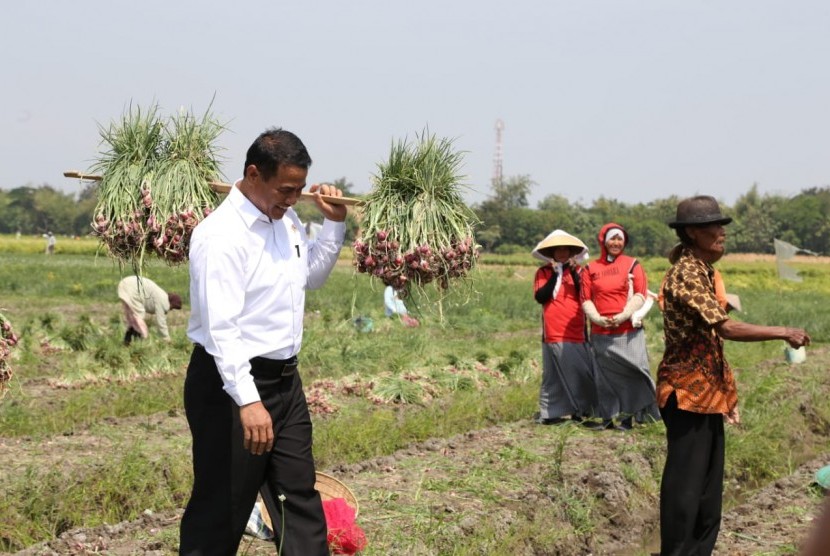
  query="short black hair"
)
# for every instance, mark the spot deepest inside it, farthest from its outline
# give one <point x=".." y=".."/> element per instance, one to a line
<point x="273" y="148"/>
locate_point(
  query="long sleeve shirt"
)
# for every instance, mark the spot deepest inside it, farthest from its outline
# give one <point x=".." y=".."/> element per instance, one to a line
<point x="693" y="364"/>
<point x="248" y="277"/>
<point x="608" y="285"/>
<point x="562" y="316"/>
<point x="142" y="296"/>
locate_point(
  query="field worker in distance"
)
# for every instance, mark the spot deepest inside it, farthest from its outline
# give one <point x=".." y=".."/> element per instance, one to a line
<point x="50" y="243"/>
<point x="614" y="288"/>
<point x="696" y="389"/>
<point x="140" y="296"/>
<point x="567" y="392"/>
<point x="250" y="266"/>
<point x="394" y="305"/>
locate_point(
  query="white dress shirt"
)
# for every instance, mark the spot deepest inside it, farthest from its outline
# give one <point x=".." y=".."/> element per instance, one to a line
<point x="248" y="276"/>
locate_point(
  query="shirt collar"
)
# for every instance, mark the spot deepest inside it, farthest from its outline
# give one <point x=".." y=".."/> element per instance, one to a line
<point x="246" y="209"/>
<point x="688" y="255"/>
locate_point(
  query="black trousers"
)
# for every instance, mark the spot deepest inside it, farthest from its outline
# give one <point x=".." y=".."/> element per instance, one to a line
<point x="226" y="477"/>
<point x="691" y="492"/>
<point x="131" y="334"/>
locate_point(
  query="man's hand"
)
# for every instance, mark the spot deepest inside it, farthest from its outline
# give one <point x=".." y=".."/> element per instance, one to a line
<point x="797" y="337"/>
<point x="335" y="213"/>
<point x="733" y="417"/>
<point x="257" y="428"/>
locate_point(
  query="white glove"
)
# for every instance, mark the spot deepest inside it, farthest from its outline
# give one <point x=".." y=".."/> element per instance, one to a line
<point x="636" y="301"/>
<point x="639" y="314"/>
<point x="593" y="315"/>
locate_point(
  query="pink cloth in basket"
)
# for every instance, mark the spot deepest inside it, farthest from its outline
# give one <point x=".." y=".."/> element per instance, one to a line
<point x="345" y="536"/>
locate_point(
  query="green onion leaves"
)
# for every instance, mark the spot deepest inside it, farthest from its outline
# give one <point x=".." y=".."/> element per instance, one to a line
<point x="416" y="228"/>
<point x="155" y="184"/>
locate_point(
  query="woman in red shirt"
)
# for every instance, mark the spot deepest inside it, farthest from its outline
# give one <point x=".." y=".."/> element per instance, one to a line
<point x="567" y="392"/>
<point x="614" y="287"/>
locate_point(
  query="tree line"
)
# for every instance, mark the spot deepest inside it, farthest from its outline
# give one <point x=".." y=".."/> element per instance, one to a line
<point x="507" y="223"/>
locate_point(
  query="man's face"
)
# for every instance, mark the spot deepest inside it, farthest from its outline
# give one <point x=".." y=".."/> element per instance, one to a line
<point x="275" y="195"/>
<point x="709" y="241"/>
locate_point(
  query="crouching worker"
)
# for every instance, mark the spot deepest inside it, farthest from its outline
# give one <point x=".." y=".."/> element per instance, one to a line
<point x="393" y="305"/>
<point x="140" y="296"/>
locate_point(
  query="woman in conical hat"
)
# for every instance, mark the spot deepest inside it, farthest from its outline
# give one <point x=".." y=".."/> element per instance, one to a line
<point x="567" y="392"/>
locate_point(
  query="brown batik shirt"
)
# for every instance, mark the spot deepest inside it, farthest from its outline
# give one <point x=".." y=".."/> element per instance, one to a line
<point x="693" y="365"/>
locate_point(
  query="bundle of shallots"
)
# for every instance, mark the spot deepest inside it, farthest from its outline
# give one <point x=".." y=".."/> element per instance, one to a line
<point x="415" y="227"/>
<point x="8" y="340"/>
<point x="154" y="185"/>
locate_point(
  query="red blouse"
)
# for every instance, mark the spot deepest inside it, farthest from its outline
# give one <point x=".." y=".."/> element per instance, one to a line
<point x="607" y="285"/>
<point x="562" y="318"/>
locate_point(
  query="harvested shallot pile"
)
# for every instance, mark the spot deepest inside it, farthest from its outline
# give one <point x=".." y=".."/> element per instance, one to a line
<point x="416" y="228"/>
<point x="8" y="340"/>
<point x="155" y="186"/>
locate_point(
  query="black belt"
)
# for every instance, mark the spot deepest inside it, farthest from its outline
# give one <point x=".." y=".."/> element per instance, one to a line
<point x="284" y="367"/>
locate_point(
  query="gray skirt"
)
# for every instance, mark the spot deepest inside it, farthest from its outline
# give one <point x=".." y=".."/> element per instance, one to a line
<point x="567" y="381"/>
<point x="624" y="384"/>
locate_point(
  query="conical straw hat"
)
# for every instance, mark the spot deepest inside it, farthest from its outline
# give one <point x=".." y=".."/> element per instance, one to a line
<point x="559" y="238"/>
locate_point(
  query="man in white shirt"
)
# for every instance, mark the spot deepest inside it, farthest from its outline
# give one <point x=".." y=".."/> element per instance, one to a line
<point x="250" y="264"/>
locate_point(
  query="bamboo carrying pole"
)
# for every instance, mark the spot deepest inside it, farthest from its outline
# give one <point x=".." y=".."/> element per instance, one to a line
<point x="220" y="187"/>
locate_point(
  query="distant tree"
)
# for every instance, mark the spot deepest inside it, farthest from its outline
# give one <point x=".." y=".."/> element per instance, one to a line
<point x="54" y="210"/>
<point x="807" y="217"/>
<point x="21" y="210"/>
<point x="649" y="238"/>
<point x="561" y="214"/>
<point x="510" y="193"/>
<point x="525" y="227"/>
<point x="84" y="215"/>
<point x="610" y="210"/>
<point x="754" y="225"/>
<point x="555" y="203"/>
<point x="489" y="236"/>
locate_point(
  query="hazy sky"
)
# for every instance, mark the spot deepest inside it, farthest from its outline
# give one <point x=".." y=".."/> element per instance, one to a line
<point x="633" y="100"/>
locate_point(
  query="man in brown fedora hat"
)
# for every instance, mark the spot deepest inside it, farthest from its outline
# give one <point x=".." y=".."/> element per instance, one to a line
<point x="696" y="390"/>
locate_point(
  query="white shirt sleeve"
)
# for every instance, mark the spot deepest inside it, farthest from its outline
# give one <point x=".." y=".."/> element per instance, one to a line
<point x="217" y="272"/>
<point x="323" y="252"/>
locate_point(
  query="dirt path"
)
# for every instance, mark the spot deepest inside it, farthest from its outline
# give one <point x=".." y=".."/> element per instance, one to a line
<point x="772" y="521"/>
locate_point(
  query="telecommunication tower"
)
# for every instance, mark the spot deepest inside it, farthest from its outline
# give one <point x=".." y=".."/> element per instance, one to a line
<point x="497" y="157"/>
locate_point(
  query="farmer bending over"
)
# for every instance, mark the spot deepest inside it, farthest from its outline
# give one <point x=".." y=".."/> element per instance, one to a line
<point x="140" y="296"/>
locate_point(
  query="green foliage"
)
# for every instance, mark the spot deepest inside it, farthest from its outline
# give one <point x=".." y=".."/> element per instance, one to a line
<point x="70" y="301"/>
<point x="803" y="220"/>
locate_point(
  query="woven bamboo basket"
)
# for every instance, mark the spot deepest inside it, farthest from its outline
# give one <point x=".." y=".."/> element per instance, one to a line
<point x="329" y="489"/>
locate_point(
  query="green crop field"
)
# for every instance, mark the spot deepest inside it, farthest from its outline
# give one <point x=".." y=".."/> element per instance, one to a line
<point x="473" y="363"/>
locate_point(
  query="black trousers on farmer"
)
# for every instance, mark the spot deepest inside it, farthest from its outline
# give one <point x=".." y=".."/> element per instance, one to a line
<point x="132" y="334"/>
<point x="226" y="477"/>
<point x="691" y="491"/>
